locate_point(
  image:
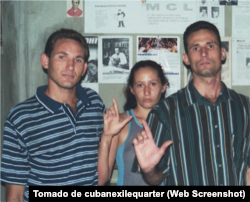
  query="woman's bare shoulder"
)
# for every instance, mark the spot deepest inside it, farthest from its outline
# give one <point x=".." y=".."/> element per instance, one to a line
<point x="123" y="116"/>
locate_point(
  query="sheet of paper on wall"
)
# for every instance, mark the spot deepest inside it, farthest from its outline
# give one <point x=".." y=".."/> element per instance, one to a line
<point x="241" y="19"/>
<point x="150" y="17"/>
<point x="226" y="67"/>
<point x="211" y="11"/>
<point x="136" y="17"/>
<point x="166" y="52"/>
<point x="241" y="61"/>
<point x="115" y="59"/>
<point x="91" y="75"/>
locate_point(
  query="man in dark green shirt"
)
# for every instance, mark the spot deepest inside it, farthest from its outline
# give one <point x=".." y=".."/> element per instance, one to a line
<point x="201" y="134"/>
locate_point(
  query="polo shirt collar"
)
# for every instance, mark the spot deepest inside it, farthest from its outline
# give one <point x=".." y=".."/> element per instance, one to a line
<point x="193" y="96"/>
<point x="52" y="105"/>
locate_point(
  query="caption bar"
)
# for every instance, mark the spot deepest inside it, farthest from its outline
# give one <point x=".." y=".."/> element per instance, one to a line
<point x="39" y="193"/>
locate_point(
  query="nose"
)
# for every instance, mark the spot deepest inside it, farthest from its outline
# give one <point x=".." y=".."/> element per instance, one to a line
<point x="70" y="65"/>
<point x="146" y="90"/>
<point x="203" y="51"/>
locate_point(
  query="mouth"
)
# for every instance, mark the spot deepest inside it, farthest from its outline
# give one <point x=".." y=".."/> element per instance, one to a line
<point x="147" y="100"/>
<point x="68" y="76"/>
<point x="204" y="63"/>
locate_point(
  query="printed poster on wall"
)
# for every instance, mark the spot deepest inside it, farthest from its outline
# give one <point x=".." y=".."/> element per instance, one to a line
<point x="90" y="78"/>
<point x="137" y="17"/>
<point x="241" y="61"/>
<point x="211" y="11"/>
<point x="166" y="52"/>
<point x="115" y="53"/>
<point x="151" y="16"/>
<point x="241" y="19"/>
<point x="74" y="8"/>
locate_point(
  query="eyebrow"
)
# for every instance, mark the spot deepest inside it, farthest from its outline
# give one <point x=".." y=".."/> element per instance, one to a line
<point x="152" y="80"/>
<point x="64" y="53"/>
<point x="209" y="42"/>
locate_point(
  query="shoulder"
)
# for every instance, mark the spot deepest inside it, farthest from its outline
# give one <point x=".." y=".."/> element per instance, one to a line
<point x="123" y="116"/>
<point x="29" y="106"/>
<point x="239" y="98"/>
<point x="92" y="95"/>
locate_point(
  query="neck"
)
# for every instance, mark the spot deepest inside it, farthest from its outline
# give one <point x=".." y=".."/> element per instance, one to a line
<point x="67" y="96"/>
<point x="210" y="88"/>
<point x="141" y="113"/>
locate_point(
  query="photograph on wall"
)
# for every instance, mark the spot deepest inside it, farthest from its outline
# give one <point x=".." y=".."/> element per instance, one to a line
<point x="90" y="79"/>
<point x="115" y="59"/>
<point x="212" y="12"/>
<point x="241" y="55"/>
<point x="226" y="67"/>
<point x="74" y="8"/>
<point x="228" y="2"/>
<point x="1" y="27"/>
<point x="151" y="16"/>
<point x="91" y="75"/>
<point x="166" y="52"/>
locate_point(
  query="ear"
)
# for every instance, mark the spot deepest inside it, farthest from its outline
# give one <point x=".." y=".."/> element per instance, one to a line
<point x="223" y="54"/>
<point x="185" y="59"/>
<point x="84" y="68"/>
<point x="45" y="61"/>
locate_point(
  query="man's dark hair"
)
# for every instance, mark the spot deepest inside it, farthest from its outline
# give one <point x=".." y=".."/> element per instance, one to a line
<point x="197" y="26"/>
<point x="66" y="34"/>
<point x="130" y="97"/>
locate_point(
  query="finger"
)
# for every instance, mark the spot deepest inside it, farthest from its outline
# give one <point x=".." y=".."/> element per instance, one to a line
<point x="147" y="129"/>
<point x="125" y="121"/>
<point x="165" y="146"/>
<point x="135" y="141"/>
<point x="144" y="134"/>
<point x="105" y="116"/>
<point x="115" y="106"/>
<point x="140" y="137"/>
<point x="112" y="111"/>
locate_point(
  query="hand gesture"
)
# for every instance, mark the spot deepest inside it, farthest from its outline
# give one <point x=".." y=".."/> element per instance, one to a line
<point x="112" y="122"/>
<point x="147" y="153"/>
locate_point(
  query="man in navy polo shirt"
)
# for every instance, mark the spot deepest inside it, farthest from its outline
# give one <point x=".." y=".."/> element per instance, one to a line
<point x="52" y="138"/>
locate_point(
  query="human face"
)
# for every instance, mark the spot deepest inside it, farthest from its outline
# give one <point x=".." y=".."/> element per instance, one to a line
<point x="117" y="51"/>
<point x="92" y="68"/>
<point x="147" y="87"/>
<point x="75" y="4"/>
<point x="204" y="54"/>
<point x="66" y="65"/>
<point x="215" y="14"/>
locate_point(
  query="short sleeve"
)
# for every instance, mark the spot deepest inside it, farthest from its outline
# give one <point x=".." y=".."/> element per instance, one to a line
<point x="14" y="165"/>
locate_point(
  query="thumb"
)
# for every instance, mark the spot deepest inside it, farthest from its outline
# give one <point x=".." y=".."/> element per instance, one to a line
<point x="165" y="146"/>
<point x="125" y="121"/>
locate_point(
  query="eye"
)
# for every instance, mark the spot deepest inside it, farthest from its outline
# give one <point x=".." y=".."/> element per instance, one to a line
<point x="210" y="46"/>
<point x="196" y="48"/>
<point x="62" y="57"/>
<point x="139" y="85"/>
<point x="78" y="60"/>
<point x="153" y="84"/>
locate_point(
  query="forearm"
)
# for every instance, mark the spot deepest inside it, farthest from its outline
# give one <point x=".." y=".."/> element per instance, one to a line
<point x="153" y="177"/>
<point x="104" y="171"/>
<point x="14" y="193"/>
